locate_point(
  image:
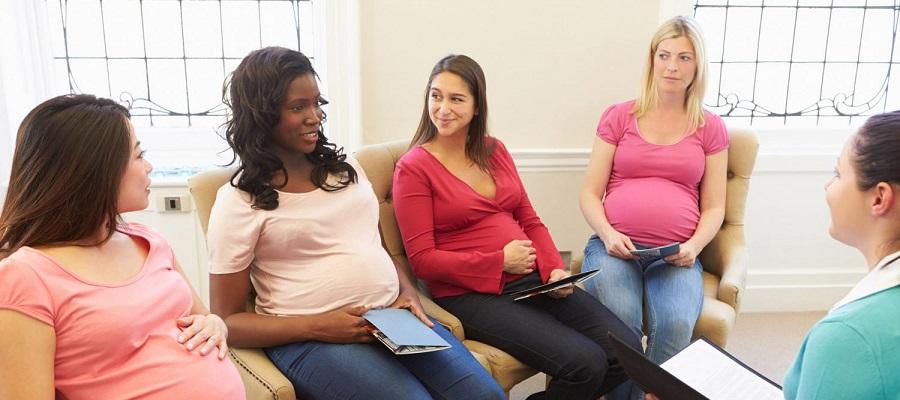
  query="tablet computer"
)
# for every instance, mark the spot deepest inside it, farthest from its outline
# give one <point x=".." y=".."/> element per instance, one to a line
<point x="569" y="280"/>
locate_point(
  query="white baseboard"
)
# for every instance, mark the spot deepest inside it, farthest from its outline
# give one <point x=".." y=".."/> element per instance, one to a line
<point x="794" y="291"/>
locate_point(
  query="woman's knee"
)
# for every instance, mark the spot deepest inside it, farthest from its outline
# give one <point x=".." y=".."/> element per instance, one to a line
<point x="585" y="365"/>
<point x="674" y="327"/>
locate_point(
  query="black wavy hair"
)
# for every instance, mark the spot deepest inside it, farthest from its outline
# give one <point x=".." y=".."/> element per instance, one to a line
<point x="254" y="93"/>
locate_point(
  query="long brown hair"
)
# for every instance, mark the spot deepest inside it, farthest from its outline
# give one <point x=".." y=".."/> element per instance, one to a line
<point x="477" y="147"/>
<point x="71" y="153"/>
<point x="254" y="93"/>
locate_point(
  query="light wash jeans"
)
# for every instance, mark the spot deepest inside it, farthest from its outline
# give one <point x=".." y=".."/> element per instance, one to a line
<point x="369" y="371"/>
<point x="669" y="296"/>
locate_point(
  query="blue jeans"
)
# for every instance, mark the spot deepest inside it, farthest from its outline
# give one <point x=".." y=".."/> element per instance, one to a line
<point x="668" y="297"/>
<point x="370" y="371"/>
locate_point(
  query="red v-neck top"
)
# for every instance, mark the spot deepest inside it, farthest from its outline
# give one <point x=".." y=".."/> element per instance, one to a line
<point x="454" y="236"/>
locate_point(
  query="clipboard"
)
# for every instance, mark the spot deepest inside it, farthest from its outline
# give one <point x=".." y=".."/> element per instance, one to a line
<point x="725" y="377"/>
<point x="651" y="378"/>
<point x="571" y="279"/>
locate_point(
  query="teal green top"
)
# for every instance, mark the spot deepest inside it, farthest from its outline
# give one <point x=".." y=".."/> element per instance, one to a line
<point x="852" y="353"/>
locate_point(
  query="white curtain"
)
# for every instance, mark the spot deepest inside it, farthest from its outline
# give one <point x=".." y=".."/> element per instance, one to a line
<point x="26" y="70"/>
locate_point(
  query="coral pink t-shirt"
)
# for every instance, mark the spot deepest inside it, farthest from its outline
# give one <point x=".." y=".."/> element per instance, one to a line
<point x="653" y="194"/>
<point x="117" y="341"/>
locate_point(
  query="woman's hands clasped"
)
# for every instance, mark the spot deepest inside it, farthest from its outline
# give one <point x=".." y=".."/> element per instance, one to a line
<point x="519" y="257"/>
<point x="204" y="331"/>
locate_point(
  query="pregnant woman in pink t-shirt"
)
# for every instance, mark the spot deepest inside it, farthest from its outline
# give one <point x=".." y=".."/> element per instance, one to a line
<point x="656" y="176"/>
<point x="92" y="307"/>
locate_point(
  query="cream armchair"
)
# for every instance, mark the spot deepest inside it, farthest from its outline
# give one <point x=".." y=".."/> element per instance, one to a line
<point x="262" y="380"/>
<point x="725" y="258"/>
<point x="378" y="161"/>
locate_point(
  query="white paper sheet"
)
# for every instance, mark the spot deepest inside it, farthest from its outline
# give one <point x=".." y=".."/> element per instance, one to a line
<point x="717" y="376"/>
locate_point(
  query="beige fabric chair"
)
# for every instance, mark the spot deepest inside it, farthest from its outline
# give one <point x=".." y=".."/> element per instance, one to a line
<point x="378" y="161"/>
<point x="262" y="380"/>
<point x="725" y="258"/>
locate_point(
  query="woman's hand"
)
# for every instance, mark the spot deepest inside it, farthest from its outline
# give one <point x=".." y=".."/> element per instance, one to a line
<point x="687" y="253"/>
<point x="345" y="325"/>
<point x="519" y="257"/>
<point x="564" y="291"/>
<point x="618" y="245"/>
<point x="206" y="331"/>
<point x="409" y="299"/>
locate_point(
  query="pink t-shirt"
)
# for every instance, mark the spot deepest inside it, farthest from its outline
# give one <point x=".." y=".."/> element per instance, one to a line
<point x="316" y="252"/>
<point x="117" y="341"/>
<point x="653" y="194"/>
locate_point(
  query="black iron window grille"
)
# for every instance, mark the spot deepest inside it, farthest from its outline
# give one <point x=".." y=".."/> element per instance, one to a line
<point x="167" y="59"/>
<point x="801" y="62"/>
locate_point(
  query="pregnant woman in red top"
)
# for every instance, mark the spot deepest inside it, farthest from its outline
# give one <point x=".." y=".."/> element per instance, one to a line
<point x="472" y="235"/>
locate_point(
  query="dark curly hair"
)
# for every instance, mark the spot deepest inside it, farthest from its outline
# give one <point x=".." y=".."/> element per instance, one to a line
<point x="254" y="93"/>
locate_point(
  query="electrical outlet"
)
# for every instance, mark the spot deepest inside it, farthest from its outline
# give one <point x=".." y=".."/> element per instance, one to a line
<point x="173" y="203"/>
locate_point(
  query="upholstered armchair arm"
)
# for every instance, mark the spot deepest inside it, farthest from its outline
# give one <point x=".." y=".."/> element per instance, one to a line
<point x="575" y="264"/>
<point x="726" y="256"/>
<point x="443" y="317"/>
<point x="261" y="379"/>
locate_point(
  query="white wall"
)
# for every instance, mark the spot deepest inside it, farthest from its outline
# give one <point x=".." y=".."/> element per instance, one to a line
<point x="551" y="68"/>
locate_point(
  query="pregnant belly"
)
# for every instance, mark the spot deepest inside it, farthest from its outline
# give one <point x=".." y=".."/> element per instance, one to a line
<point x="653" y="212"/>
<point x="488" y="234"/>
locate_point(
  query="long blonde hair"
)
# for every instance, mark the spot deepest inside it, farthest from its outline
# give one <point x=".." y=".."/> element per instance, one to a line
<point x="679" y="26"/>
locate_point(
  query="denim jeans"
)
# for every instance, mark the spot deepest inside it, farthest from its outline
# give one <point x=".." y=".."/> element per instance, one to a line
<point x="668" y="297"/>
<point x="370" y="371"/>
<point x="564" y="338"/>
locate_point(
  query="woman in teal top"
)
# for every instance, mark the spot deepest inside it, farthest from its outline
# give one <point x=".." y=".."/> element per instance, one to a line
<point x="854" y="352"/>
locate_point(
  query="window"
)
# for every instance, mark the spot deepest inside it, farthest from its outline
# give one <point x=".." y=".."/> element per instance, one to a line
<point x="167" y="60"/>
<point x="824" y="63"/>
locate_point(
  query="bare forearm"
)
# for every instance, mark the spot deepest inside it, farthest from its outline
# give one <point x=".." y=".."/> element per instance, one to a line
<point x="247" y="329"/>
<point x="709" y="225"/>
<point x="404" y="278"/>
<point x="594" y="213"/>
